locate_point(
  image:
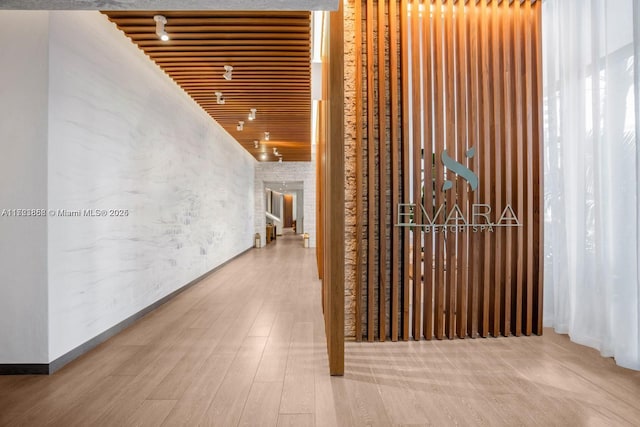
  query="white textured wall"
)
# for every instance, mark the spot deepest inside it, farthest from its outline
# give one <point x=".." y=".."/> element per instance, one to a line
<point x="287" y="171"/>
<point x="124" y="136"/>
<point x="23" y="184"/>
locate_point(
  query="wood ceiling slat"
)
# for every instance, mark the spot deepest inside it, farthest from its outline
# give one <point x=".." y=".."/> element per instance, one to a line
<point x="233" y="121"/>
<point x="254" y="70"/>
<point x="226" y="58"/>
<point x="177" y="22"/>
<point x="277" y="144"/>
<point x="246" y="50"/>
<point x="235" y="113"/>
<point x="235" y="105"/>
<point x="235" y="102"/>
<point x="215" y="76"/>
<point x="191" y="30"/>
<point x="193" y="79"/>
<point x="276" y="87"/>
<point x="279" y="66"/>
<point x="223" y="44"/>
<point x="267" y="55"/>
<point x="238" y="116"/>
<point x="223" y="35"/>
<point x="270" y="53"/>
<point x="284" y="118"/>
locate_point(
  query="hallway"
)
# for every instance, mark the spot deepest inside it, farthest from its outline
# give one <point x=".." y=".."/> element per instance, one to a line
<point x="246" y="347"/>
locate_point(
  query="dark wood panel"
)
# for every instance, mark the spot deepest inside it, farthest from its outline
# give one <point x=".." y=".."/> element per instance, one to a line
<point x="475" y="267"/>
<point x="529" y="165"/>
<point x="462" y="256"/>
<point x="498" y="244"/>
<point x="396" y="258"/>
<point x="486" y="138"/>
<point x="359" y="152"/>
<point x="439" y="124"/>
<point x="405" y="141"/>
<point x="382" y="173"/>
<point x="538" y="170"/>
<point x="416" y="131"/>
<point x="509" y="133"/>
<point x="520" y="164"/>
<point x="371" y="177"/>
<point x="427" y="166"/>
<point x="450" y="254"/>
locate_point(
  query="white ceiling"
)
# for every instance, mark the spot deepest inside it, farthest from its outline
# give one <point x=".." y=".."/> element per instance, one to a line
<point x="169" y="4"/>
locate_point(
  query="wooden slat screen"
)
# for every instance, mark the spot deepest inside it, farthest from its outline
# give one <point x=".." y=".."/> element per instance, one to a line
<point x="461" y="78"/>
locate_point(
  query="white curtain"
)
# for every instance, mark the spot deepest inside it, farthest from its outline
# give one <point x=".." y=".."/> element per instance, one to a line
<point x="591" y="60"/>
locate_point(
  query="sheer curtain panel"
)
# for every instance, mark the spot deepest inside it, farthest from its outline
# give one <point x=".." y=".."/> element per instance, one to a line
<point x="591" y="52"/>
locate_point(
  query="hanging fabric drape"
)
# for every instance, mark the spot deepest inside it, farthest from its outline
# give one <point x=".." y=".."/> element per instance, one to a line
<point x="592" y="176"/>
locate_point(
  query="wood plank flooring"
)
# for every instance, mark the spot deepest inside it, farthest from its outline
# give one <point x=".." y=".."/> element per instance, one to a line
<point x="246" y="347"/>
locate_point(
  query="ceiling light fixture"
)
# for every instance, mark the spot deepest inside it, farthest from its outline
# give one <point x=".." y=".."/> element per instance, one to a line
<point x="280" y="160"/>
<point x="267" y="136"/>
<point x="228" y="75"/>
<point x="256" y="144"/>
<point x="219" y="98"/>
<point x="275" y="150"/>
<point x="252" y="114"/>
<point x="264" y="156"/>
<point x="240" y="126"/>
<point x="161" y="21"/>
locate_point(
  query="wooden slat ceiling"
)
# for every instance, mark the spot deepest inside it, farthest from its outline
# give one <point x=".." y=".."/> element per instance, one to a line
<point x="270" y="55"/>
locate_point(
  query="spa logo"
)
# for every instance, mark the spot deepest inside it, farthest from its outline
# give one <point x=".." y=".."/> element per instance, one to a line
<point x="460" y="170"/>
<point x="474" y="217"/>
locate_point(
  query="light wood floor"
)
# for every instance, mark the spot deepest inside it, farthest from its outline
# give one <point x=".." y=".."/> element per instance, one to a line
<point x="247" y="347"/>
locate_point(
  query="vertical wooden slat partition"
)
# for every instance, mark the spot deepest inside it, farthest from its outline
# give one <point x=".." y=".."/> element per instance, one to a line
<point x="395" y="168"/>
<point x="331" y="194"/>
<point x="437" y="54"/>
<point x="404" y="259"/>
<point x="427" y="166"/>
<point x="359" y="164"/>
<point x="415" y="120"/>
<point x="475" y="271"/>
<point x="371" y="240"/>
<point x="461" y="78"/>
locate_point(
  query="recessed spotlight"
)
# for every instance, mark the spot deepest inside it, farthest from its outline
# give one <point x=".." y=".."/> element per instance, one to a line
<point x="252" y="114"/>
<point x="267" y="136"/>
<point x="219" y="98"/>
<point x="240" y="126"/>
<point x="161" y="21"/>
<point x="228" y="74"/>
<point x="264" y="156"/>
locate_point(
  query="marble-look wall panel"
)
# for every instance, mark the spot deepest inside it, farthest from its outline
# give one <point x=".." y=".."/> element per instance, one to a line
<point x="287" y="171"/>
<point x="124" y="136"/>
<point x="23" y="185"/>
